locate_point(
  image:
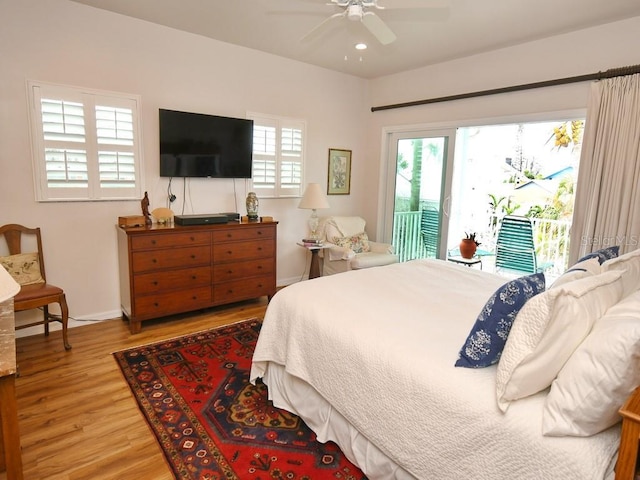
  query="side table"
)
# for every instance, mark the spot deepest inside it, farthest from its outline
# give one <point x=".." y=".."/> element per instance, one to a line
<point x="314" y="267"/>
<point x="466" y="261"/>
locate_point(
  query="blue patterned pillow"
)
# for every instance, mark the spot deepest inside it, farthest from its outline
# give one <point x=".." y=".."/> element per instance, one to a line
<point x="488" y="335"/>
<point x="603" y="254"/>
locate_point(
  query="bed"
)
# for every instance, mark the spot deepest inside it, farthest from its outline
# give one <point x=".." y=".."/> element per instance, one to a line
<point x="367" y="359"/>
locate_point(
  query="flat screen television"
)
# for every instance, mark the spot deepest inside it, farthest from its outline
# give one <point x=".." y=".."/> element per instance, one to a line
<point x="200" y="145"/>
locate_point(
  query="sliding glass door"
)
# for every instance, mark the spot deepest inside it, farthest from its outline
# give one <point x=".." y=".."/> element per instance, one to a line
<point x="418" y="183"/>
<point x="528" y="169"/>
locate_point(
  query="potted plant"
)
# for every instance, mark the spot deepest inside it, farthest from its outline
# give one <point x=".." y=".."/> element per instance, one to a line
<point x="469" y="245"/>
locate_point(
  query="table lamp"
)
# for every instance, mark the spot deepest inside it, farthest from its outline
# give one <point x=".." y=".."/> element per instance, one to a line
<point x="8" y="286"/>
<point x="313" y="199"/>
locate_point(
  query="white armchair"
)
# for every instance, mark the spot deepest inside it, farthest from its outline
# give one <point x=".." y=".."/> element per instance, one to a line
<point x="349" y="247"/>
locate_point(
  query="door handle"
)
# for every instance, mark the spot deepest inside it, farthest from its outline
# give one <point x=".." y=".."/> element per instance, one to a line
<point x="445" y="206"/>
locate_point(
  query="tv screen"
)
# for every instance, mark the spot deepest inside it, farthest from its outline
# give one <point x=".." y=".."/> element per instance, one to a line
<point x="199" y="145"/>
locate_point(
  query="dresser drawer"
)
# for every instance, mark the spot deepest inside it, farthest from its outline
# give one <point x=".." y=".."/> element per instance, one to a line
<point x="170" y="280"/>
<point x="153" y="306"/>
<point x="145" y="242"/>
<point x="229" y="252"/>
<point x="244" y="289"/>
<point x="251" y="233"/>
<point x="170" y="258"/>
<point x="234" y="271"/>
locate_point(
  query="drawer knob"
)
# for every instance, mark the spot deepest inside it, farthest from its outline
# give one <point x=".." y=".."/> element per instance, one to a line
<point x="153" y="260"/>
<point x="229" y="271"/>
<point x="193" y="239"/>
<point x="194" y="298"/>
<point x="259" y="249"/>
<point x="259" y="285"/>
<point x="229" y="235"/>
<point x="155" y="282"/>
<point x="193" y="277"/>
<point x="259" y="267"/>
<point x="193" y="256"/>
<point x="259" y="232"/>
<point x="153" y="242"/>
<point x="155" y="304"/>
<point x="229" y="252"/>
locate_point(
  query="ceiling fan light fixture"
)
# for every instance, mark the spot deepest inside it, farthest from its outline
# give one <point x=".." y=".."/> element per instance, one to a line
<point x="354" y="12"/>
<point x="361" y="46"/>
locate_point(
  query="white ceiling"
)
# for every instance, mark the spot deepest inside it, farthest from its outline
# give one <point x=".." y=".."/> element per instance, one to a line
<point x="428" y="35"/>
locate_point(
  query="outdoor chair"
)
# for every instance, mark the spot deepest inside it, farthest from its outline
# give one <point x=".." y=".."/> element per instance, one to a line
<point x="430" y="231"/>
<point x="515" y="248"/>
<point x="28" y="270"/>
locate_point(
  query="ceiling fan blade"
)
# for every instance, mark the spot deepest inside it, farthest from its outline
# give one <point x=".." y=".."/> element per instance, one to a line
<point x="378" y="28"/>
<point x="321" y="26"/>
<point x="400" y="4"/>
<point x="417" y="14"/>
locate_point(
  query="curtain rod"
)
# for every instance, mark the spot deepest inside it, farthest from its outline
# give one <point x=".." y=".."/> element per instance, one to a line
<point x="612" y="72"/>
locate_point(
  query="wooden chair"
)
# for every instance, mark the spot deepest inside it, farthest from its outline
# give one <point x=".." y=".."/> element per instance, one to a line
<point x="39" y="294"/>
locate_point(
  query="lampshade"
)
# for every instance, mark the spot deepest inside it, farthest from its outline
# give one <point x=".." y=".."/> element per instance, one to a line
<point x="313" y="198"/>
<point x="8" y="286"/>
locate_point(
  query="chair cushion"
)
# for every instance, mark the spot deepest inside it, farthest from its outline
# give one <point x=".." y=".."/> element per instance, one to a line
<point x="23" y="267"/>
<point x="345" y="226"/>
<point x="372" y="259"/>
<point x="358" y="243"/>
<point x="37" y="290"/>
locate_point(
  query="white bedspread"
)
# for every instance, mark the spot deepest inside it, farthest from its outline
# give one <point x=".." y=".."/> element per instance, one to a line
<point x="380" y="346"/>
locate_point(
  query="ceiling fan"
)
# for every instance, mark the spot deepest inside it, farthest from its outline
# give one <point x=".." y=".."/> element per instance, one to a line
<point x="364" y="11"/>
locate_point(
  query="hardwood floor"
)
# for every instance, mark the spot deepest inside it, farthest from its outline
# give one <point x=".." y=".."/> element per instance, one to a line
<point x="78" y="419"/>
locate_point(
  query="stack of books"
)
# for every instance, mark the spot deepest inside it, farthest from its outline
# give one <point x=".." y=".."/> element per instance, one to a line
<point x="312" y="242"/>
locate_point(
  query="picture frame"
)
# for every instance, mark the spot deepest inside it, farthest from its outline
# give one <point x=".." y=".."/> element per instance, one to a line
<point x="339" y="178"/>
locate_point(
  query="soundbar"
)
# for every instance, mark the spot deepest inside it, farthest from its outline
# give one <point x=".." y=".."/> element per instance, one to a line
<point x="200" y="219"/>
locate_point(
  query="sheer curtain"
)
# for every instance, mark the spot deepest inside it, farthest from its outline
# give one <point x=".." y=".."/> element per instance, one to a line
<point x="607" y="206"/>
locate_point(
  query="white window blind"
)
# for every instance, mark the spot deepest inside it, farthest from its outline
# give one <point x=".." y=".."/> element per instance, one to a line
<point x="278" y="156"/>
<point x="86" y="144"/>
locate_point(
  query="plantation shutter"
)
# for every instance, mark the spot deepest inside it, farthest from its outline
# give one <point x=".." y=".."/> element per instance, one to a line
<point x="85" y="144"/>
<point x="278" y="156"/>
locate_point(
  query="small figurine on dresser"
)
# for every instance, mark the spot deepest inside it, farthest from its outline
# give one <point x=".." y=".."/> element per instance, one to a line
<point x="145" y="209"/>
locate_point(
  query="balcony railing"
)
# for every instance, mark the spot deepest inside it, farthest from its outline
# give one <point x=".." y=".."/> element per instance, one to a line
<point x="551" y="238"/>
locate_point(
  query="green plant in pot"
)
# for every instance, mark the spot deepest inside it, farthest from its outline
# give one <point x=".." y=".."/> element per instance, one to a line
<point x="469" y="245"/>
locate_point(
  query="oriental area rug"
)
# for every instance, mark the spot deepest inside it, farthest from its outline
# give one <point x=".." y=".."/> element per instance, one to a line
<point x="213" y="424"/>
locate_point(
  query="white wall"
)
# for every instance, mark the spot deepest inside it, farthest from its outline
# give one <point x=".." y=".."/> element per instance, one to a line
<point x="584" y="52"/>
<point x="63" y="42"/>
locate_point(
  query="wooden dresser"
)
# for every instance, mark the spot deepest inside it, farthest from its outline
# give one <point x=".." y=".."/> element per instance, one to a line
<point x="173" y="269"/>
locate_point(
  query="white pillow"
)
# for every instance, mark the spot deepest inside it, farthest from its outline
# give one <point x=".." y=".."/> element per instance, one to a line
<point x="547" y="330"/>
<point x="629" y="263"/>
<point x="599" y="376"/>
<point x="583" y="269"/>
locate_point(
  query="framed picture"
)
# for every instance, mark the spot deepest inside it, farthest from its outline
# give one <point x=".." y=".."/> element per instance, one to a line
<point x="339" y="181"/>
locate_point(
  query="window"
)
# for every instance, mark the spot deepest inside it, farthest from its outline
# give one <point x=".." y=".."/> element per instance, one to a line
<point x="86" y="144"/>
<point x="278" y="156"/>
